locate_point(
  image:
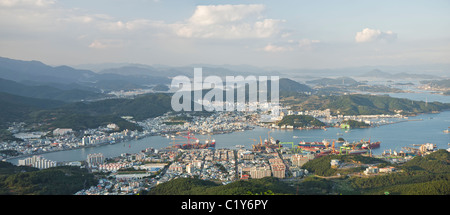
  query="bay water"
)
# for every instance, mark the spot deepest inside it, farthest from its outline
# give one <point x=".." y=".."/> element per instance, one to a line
<point x="420" y="129"/>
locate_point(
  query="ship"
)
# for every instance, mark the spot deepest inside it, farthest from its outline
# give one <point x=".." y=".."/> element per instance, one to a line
<point x="193" y="143"/>
<point x="371" y="145"/>
<point x="271" y="143"/>
<point x="321" y="145"/>
<point x="362" y="144"/>
<point x="196" y="145"/>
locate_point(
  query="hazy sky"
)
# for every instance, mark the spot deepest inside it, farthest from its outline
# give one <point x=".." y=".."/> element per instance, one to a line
<point x="291" y="34"/>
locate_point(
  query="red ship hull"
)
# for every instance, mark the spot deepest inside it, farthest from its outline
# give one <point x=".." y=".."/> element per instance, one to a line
<point x="372" y="145"/>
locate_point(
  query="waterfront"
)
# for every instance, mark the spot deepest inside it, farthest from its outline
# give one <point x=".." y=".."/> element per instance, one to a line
<point x="426" y="128"/>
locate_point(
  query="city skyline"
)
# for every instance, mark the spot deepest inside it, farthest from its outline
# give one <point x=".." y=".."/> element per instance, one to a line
<point x="286" y="34"/>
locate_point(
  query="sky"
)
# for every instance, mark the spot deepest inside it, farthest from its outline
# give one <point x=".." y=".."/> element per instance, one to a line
<point x="284" y="34"/>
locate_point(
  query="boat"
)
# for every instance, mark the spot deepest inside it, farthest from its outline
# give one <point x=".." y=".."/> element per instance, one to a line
<point x="295" y="137"/>
<point x="271" y="143"/>
<point x="304" y="144"/>
<point x="447" y="130"/>
<point x="371" y="145"/>
<point x="352" y="151"/>
<point x="194" y="143"/>
<point x="197" y="145"/>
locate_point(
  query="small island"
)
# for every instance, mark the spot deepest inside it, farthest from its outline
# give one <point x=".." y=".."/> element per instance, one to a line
<point x="353" y="124"/>
<point x="300" y="121"/>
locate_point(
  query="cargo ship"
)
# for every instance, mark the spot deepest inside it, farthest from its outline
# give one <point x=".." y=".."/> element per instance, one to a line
<point x="320" y="145"/>
<point x="363" y="144"/>
<point x="193" y="143"/>
<point x="271" y="143"/>
<point x="196" y="145"/>
<point x="371" y="145"/>
<point x="350" y="151"/>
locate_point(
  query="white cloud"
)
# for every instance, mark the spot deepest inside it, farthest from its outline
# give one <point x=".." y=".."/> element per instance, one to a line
<point x="219" y="14"/>
<point x="16" y="3"/>
<point x="207" y="21"/>
<point x="228" y="22"/>
<point x="371" y="35"/>
<point x="275" y="48"/>
<point x="133" y="25"/>
<point x="290" y="45"/>
<point x="106" y="43"/>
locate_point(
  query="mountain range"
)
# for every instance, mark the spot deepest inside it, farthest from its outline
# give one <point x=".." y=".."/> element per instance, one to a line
<point x="47" y="92"/>
<point x="376" y="73"/>
<point x="37" y="73"/>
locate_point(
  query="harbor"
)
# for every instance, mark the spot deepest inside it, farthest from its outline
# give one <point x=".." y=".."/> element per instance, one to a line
<point x="426" y="128"/>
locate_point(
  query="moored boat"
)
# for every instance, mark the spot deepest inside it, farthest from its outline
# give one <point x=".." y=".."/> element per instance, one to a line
<point x="371" y="145"/>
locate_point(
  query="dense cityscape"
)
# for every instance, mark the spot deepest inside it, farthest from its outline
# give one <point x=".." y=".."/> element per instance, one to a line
<point x="167" y="125"/>
<point x="140" y="172"/>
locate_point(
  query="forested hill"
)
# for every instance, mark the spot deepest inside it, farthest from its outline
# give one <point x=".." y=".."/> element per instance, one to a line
<point x="370" y="104"/>
<point x="47" y="92"/>
<point x="50" y="114"/>
<point x="191" y="186"/>
<point x="359" y="104"/>
<point x="300" y="121"/>
<point x="21" y="180"/>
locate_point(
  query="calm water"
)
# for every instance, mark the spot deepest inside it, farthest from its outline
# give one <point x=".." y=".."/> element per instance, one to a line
<point x="427" y="128"/>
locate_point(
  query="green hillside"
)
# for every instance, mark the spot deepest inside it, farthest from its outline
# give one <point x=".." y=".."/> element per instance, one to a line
<point x="65" y="180"/>
<point x="428" y="175"/>
<point x="358" y="104"/>
<point x="46" y="92"/>
<point x="16" y="108"/>
<point x="300" y="121"/>
<point x="369" y="104"/>
<point x="190" y="186"/>
<point x="355" y="124"/>
<point x="41" y="114"/>
<point x="141" y="107"/>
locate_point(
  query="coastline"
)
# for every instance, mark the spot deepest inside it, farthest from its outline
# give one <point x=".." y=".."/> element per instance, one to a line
<point x="107" y="143"/>
<point x="213" y="133"/>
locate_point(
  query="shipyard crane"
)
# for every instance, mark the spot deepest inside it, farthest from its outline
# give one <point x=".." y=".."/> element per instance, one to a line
<point x="190" y="136"/>
<point x="254" y="142"/>
<point x="176" y="141"/>
<point x="345" y="148"/>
